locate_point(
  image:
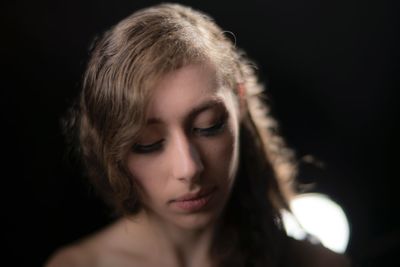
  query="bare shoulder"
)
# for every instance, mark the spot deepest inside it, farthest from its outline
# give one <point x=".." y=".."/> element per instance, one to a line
<point x="71" y="256"/>
<point x="84" y="252"/>
<point x="311" y="255"/>
<point x="111" y="246"/>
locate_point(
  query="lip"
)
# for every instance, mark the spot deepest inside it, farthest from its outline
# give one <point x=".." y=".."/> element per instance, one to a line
<point x="194" y="201"/>
<point x="192" y="196"/>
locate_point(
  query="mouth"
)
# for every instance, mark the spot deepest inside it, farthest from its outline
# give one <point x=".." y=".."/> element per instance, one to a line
<point x="194" y="201"/>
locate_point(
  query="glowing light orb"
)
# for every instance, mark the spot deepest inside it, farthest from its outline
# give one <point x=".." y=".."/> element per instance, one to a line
<point x="319" y="216"/>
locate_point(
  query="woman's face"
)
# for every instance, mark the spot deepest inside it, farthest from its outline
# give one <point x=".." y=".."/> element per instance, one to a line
<point x="185" y="159"/>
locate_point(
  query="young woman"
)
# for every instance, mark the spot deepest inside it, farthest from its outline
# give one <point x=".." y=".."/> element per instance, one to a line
<point x="175" y="138"/>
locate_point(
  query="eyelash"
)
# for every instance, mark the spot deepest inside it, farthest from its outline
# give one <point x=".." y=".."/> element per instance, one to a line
<point x="203" y="132"/>
<point x="211" y="131"/>
<point x="143" y="149"/>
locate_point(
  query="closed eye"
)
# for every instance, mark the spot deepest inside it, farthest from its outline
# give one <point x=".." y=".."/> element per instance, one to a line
<point x="213" y="130"/>
<point x="142" y="149"/>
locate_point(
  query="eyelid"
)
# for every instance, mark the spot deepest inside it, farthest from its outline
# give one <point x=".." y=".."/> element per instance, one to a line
<point x="139" y="148"/>
<point x="210" y="117"/>
<point x="213" y="129"/>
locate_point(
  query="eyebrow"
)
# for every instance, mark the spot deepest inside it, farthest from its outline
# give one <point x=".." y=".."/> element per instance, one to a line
<point x="193" y="112"/>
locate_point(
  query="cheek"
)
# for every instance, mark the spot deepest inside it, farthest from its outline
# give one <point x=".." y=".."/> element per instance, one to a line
<point x="220" y="155"/>
<point x="146" y="176"/>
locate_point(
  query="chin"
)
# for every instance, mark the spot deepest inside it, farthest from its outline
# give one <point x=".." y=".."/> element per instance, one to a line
<point x="195" y="222"/>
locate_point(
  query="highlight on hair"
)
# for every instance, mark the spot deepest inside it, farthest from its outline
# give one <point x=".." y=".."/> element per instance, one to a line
<point x="125" y="64"/>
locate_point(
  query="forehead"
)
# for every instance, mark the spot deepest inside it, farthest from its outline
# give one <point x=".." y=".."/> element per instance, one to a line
<point x="183" y="89"/>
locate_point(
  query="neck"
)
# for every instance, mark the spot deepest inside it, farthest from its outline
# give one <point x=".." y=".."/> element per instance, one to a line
<point x="182" y="247"/>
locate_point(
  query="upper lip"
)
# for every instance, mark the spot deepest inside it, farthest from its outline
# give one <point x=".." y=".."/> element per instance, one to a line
<point x="195" y="195"/>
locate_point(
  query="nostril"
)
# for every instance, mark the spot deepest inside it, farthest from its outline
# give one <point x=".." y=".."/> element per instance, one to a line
<point x="190" y="165"/>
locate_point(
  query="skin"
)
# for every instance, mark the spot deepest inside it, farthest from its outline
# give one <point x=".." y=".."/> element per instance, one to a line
<point x="192" y="132"/>
<point x="180" y="159"/>
<point x="190" y="143"/>
<point x="196" y="122"/>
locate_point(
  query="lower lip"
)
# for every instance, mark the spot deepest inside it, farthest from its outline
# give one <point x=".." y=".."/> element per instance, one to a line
<point x="194" y="204"/>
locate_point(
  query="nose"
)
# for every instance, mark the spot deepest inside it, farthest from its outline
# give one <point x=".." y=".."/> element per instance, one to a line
<point x="185" y="159"/>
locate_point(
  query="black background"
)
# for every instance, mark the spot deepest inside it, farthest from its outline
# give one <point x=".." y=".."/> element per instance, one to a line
<point x="331" y="68"/>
